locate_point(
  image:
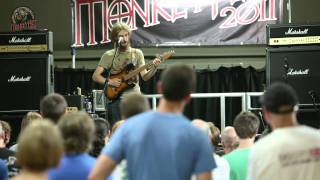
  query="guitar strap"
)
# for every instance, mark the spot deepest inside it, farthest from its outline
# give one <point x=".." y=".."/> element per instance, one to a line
<point x="133" y="57"/>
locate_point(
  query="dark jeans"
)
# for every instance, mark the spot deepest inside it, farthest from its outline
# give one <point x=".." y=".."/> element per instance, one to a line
<point x="114" y="111"/>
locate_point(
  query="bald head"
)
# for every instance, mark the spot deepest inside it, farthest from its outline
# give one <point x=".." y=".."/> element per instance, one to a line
<point x="229" y="139"/>
<point x="202" y="125"/>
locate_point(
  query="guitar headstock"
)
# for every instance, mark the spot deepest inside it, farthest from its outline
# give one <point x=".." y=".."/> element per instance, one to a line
<point x="166" y="55"/>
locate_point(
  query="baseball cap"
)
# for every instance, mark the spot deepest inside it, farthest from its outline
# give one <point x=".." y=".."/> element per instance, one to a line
<point x="280" y="98"/>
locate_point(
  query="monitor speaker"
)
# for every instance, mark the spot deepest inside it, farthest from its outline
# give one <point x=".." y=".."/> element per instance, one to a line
<point x="24" y="80"/>
<point x="298" y="66"/>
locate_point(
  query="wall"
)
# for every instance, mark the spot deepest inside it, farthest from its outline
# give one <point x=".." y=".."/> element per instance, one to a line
<point x="56" y="16"/>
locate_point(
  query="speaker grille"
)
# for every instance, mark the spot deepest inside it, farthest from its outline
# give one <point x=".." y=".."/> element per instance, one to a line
<point x="24" y="81"/>
<point x="297" y="66"/>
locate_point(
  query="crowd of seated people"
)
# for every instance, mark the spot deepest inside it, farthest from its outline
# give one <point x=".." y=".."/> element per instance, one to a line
<point x="162" y="144"/>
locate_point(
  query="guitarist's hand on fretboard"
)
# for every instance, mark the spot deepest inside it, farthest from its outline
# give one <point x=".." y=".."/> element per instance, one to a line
<point x="115" y="82"/>
<point x="156" y="62"/>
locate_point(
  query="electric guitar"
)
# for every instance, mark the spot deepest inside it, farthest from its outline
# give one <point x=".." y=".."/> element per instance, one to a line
<point x="125" y="75"/>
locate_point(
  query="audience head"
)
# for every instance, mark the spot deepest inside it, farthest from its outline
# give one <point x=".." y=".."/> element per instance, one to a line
<point x="77" y="130"/>
<point x="177" y="83"/>
<point x="53" y="106"/>
<point x="116" y="126"/>
<point x="215" y="134"/>
<point x="229" y="139"/>
<point x="102" y="133"/>
<point x="280" y="105"/>
<point x="203" y="126"/>
<point x="7" y="131"/>
<point x="40" y="146"/>
<point x="133" y="103"/>
<point x="246" y="125"/>
<point x="29" y="118"/>
<point x="2" y="137"/>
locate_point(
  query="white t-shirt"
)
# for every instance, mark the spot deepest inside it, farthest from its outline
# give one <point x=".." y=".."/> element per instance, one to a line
<point x="222" y="171"/>
<point x="286" y="153"/>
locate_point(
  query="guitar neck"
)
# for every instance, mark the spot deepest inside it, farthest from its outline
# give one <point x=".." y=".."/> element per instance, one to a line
<point x="137" y="71"/>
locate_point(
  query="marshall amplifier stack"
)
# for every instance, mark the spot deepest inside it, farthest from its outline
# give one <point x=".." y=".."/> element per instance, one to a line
<point x="26" y="70"/>
<point x="293" y="56"/>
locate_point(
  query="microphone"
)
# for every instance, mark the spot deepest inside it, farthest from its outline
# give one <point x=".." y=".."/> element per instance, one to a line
<point x="120" y="40"/>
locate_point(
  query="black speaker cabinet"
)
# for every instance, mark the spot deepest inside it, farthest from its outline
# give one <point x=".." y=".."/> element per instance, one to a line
<point x="309" y="117"/>
<point x="24" y="80"/>
<point x="298" y="66"/>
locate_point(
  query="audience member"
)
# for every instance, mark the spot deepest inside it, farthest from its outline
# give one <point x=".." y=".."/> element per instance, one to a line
<point x="162" y="144"/>
<point x="26" y="120"/>
<point x="53" y="106"/>
<point x="3" y="170"/>
<point x="40" y="148"/>
<point x="229" y="139"/>
<point x="77" y="130"/>
<point x="132" y="104"/>
<point x="246" y="125"/>
<point x="7" y="132"/>
<point x="116" y="126"/>
<point x="215" y="138"/>
<point x="290" y="151"/>
<point x="102" y="133"/>
<point x="8" y="156"/>
<point x="222" y="171"/>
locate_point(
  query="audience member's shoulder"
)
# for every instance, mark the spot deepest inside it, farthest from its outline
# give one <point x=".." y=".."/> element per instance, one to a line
<point x="310" y="131"/>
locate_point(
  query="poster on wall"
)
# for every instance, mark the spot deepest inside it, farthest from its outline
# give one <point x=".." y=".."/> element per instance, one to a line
<point x="176" y="22"/>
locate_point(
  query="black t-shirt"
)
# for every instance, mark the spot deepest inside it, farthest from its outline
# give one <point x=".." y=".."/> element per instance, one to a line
<point x="11" y="161"/>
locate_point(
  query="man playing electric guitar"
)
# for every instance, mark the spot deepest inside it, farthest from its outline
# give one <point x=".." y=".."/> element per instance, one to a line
<point x="126" y="56"/>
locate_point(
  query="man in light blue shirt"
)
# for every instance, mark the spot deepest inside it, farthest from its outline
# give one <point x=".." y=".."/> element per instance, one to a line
<point x="162" y="144"/>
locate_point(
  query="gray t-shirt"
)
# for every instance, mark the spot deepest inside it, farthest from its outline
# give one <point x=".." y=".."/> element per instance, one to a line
<point x="123" y="59"/>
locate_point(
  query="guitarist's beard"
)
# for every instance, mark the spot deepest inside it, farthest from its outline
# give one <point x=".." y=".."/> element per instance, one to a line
<point x="124" y="46"/>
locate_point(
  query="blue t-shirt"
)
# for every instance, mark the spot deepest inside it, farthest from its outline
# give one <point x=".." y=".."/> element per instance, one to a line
<point x="75" y="166"/>
<point x="3" y="170"/>
<point x="161" y="146"/>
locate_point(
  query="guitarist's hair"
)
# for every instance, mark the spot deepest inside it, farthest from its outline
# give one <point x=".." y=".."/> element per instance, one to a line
<point x="116" y="28"/>
<point x="178" y="81"/>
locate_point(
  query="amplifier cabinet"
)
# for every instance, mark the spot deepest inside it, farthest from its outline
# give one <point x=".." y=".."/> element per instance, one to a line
<point x="298" y="66"/>
<point x="24" y="80"/>
<point x="98" y="100"/>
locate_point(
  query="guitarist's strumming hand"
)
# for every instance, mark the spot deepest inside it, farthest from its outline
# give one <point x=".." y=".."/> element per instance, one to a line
<point x="115" y="82"/>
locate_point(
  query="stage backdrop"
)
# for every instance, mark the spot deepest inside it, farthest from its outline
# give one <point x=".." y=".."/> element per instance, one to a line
<point x="176" y="22"/>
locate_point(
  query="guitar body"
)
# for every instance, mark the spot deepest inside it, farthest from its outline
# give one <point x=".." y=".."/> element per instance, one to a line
<point x="115" y="92"/>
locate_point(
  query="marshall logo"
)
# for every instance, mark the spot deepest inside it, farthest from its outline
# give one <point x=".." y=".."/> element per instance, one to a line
<point x="22" y="18"/>
<point x="19" y="79"/>
<point x="295" y="72"/>
<point x="14" y="40"/>
<point x="291" y="31"/>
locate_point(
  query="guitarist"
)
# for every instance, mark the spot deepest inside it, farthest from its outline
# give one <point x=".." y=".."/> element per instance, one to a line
<point x="126" y="57"/>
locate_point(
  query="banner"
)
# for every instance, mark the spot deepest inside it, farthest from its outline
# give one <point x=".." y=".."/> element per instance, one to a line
<point x="176" y="22"/>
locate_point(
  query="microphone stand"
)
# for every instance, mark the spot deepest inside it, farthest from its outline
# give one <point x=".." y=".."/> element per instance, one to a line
<point x="73" y="48"/>
<point x="286" y="68"/>
<point x="314" y="98"/>
<point x="105" y="87"/>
